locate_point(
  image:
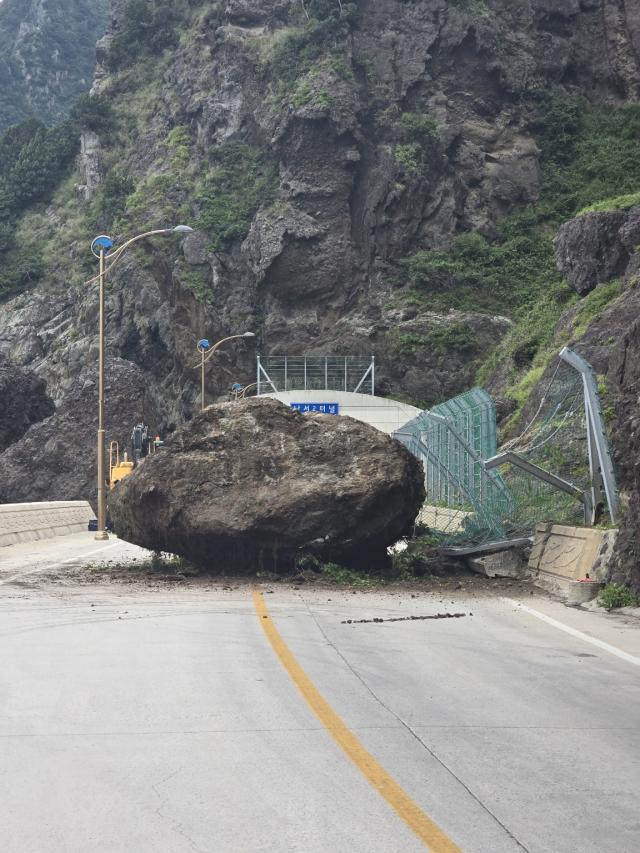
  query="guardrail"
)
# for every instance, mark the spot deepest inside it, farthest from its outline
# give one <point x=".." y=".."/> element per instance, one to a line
<point x="27" y="522"/>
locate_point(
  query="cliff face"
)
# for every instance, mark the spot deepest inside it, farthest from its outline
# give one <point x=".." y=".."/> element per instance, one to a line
<point x="600" y="252"/>
<point x="47" y="55"/>
<point x="329" y="155"/>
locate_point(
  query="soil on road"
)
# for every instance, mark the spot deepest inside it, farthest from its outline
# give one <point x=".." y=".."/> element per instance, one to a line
<point x="154" y="712"/>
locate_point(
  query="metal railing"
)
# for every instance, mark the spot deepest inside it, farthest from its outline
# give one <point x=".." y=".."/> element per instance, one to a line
<point x="275" y="373"/>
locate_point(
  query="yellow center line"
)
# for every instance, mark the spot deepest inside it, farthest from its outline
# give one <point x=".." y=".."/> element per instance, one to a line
<point x="406" y="808"/>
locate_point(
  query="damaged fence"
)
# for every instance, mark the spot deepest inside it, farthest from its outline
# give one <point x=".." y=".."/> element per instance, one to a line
<point x="557" y="469"/>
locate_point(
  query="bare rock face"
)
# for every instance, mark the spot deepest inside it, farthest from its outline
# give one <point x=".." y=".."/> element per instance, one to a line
<point x="253" y="484"/>
<point x="23" y="402"/>
<point x="51" y="461"/>
<point x="594" y="248"/>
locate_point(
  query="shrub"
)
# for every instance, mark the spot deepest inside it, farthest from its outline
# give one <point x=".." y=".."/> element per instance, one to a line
<point x="112" y="199"/>
<point x="240" y="182"/>
<point x="450" y="336"/>
<point x="476" y="274"/>
<point x="93" y="112"/>
<point x="19" y="268"/>
<point x="146" y="28"/>
<point x="416" y="126"/>
<point x="408" y="157"/>
<point x="325" y="31"/>
<point x="617" y="595"/>
<point x="589" y="153"/>
<point x="341" y="575"/>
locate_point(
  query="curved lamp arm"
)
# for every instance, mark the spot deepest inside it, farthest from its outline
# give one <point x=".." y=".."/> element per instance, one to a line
<point x="115" y="256"/>
<point x="246" y="388"/>
<point x="219" y="344"/>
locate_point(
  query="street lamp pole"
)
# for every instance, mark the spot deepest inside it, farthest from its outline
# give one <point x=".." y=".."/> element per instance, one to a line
<point x="101" y="532"/>
<point x="204" y="347"/>
<point x="99" y="248"/>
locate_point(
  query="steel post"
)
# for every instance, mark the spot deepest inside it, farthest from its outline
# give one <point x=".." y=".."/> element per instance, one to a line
<point x="101" y="531"/>
<point x="202" y="380"/>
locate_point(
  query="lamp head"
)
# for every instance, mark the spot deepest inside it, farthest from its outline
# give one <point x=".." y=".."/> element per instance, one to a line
<point x="182" y="229"/>
<point x="101" y="244"/>
<point x="248" y="335"/>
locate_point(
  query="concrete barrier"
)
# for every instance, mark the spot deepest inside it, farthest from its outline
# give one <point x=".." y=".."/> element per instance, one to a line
<point x="28" y="522"/>
<point x="563" y="556"/>
<point x="443" y="518"/>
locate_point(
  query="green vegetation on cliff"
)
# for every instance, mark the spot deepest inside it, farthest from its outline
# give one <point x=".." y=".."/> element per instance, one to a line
<point x="47" y="56"/>
<point x="146" y="29"/>
<point x="240" y="181"/>
<point x="33" y="160"/>
<point x="590" y="161"/>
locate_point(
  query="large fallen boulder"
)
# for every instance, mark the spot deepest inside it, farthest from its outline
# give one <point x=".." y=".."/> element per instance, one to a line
<point x="253" y="485"/>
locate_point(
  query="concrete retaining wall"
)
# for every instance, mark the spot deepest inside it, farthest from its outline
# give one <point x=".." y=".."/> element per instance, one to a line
<point x="443" y="519"/>
<point x="27" y="522"/>
<point x="563" y="555"/>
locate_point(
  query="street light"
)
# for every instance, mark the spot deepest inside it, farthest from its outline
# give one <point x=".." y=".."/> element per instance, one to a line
<point x="247" y="388"/>
<point x="206" y="351"/>
<point x="100" y="247"/>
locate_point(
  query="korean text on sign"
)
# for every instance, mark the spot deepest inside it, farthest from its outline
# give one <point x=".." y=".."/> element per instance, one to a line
<point x="324" y="408"/>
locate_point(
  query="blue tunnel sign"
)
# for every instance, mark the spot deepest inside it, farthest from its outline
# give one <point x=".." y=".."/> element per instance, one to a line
<point x="323" y="408"/>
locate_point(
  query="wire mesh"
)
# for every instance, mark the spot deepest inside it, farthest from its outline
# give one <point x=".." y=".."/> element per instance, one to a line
<point x="316" y="373"/>
<point x="467" y="504"/>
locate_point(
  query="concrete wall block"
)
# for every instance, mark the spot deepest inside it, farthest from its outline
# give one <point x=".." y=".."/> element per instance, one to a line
<point x="562" y="555"/>
<point x="30" y="521"/>
<point x="505" y="564"/>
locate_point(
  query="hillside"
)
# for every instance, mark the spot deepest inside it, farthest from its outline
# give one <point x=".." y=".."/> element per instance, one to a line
<point x="47" y="56"/>
<point x="374" y="177"/>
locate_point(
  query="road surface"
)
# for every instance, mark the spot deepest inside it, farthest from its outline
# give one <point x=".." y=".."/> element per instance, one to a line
<point x="218" y="717"/>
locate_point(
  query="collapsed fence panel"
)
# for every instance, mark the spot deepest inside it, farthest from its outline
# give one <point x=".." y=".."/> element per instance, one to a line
<point x="564" y="464"/>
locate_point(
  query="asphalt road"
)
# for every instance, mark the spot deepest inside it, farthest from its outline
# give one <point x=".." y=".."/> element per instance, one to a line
<point x="170" y="719"/>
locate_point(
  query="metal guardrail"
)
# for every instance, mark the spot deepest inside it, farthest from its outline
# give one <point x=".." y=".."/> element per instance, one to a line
<point x="276" y="373"/>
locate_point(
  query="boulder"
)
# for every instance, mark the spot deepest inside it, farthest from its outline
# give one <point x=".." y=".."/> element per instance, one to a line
<point x="593" y="249"/>
<point x="253" y="484"/>
<point x="23" y="402"/>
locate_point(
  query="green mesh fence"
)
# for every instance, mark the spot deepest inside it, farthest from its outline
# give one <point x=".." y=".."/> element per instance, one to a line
<point x="468" y="504"/>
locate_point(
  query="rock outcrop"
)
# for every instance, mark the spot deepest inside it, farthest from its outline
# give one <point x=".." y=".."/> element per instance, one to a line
<point x="47" y="55"/>
<point x="23" y="402"/>
<point x="254" y="485"/>
<point x="594" y="251"/>
<point x="597" y="247"/>
<point x="55" y="458"/>
<point x="315" y="147"/>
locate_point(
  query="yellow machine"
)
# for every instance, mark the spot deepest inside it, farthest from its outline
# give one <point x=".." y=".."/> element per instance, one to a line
<point x="142" y="445"/>
<point x="118" y="469"/>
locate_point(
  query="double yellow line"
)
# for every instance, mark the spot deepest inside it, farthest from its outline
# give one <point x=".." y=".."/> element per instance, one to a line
<point x="406" y="808"/>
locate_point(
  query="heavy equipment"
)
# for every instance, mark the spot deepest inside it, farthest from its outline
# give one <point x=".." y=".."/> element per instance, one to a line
<point x="141" y="446"/>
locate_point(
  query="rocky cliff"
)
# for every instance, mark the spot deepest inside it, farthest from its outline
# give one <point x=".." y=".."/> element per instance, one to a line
<point x="47" y="55"/>
<point x="375" y="177"/>
<point x="600" y="253"/>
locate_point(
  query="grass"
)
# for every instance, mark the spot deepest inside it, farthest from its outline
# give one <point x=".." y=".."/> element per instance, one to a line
<point x="347" y="577"/>
<point x="195" y="279"/>
<point x="450" y="336"/>
<point x="476" y="274"/>
<point x="620" y="202"/>
<point x="617" y="595"/>
<point x="594" y="304"/>
<point x="240" y="181"/>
